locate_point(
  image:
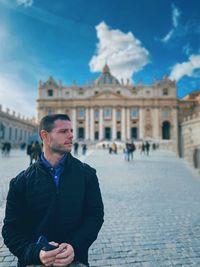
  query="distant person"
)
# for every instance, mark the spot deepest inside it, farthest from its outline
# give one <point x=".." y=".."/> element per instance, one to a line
<point x="56" y="199"/>
<point x="84" y="149"/>
<point x="29" y="152"/>
<point x="114" y="148"/>
<point x="76" y="146"/>
<point x="127" y="151"/>
<point x="36" y="150"/>
<point x="3" y="149"/>
<point x="154" y="146"/>
<point x="142" y="151"/>
<point x="6" y="149"/>
<point x="147" y="148"/>
<point x="110" y="149"/>
<point x="132" y="148"/>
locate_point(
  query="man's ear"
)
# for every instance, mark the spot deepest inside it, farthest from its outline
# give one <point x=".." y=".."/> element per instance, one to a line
<point x="43" y="134"/>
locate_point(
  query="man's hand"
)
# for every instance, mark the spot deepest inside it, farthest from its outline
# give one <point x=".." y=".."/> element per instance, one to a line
<point x="48" y="257"/>
<point x="65" y="257"/>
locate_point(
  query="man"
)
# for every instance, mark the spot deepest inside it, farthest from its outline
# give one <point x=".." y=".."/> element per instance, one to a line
<point x="57" y="197"/>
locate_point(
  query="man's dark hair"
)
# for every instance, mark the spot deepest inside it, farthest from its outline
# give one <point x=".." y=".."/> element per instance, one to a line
<point x="47" y="122"/>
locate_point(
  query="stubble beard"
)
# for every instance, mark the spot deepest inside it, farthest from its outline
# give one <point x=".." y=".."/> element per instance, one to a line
<point x="60" y="150"/>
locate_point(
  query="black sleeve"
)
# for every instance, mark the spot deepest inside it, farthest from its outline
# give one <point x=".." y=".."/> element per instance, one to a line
<point x="93" y="213"/>
<point x="15" y="231"/>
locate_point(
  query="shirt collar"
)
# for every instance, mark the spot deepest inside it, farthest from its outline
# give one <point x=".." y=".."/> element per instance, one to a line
<point x="58" y="165"/>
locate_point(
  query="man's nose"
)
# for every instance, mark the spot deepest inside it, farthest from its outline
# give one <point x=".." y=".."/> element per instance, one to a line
<point x="71" y="134"/>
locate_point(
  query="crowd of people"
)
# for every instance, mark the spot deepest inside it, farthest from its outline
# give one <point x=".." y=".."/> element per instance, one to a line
<point x="76" y="148"/>
<point x="130" y="147"/>
<point x="34" y="149"/>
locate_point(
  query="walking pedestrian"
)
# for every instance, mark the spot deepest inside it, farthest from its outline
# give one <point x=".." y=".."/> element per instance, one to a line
<point x="132" y="148"/>
<point x="147" y="147"/>
<point x="84" y="149"/>
<point x="142" y="148"/>
<point x="76" y="145"/>
<point x="56" y="199"/>
<point x="29" y="152"/>
<point x="36" y="151"/>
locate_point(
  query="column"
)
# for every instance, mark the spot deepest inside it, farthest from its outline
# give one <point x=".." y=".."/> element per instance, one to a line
<point x="74" y="121"/>
<point x="141" y="123"/>
<point x="114" y="124"/>
<point x="156" y="123"/>
<point x="123" y="125"/>
<point x="91" y="124"/>
<point x="128" y="123"/>
<point x="174" y="127"/>
<point x="87" y="127"/>
<point x="100" y="123"/>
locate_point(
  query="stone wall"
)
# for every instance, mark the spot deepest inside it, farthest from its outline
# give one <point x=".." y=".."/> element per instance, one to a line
<point x="191" y="139"/>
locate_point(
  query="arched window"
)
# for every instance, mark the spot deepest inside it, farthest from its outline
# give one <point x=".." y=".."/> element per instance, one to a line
<point x="166" y="130"/>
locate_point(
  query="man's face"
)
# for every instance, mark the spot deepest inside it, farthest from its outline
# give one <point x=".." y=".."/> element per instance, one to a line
<point x="61" y="136"/>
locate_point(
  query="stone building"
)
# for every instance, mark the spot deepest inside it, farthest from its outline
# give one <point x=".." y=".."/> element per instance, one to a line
<point x="14" y="128"/>
<point x="189" y="128"/>
<point x="110" y="109"/>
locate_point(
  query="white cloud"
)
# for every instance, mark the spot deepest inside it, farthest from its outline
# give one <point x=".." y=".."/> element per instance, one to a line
<point x="188" y="68"/>
<point x="187" y="49"/>
<point x="175" y="21"/>
<point x="168" y="36"/>
<point x="26" y="3"/>
<point x="175" y="15"/>
<point x="122" y="51"/>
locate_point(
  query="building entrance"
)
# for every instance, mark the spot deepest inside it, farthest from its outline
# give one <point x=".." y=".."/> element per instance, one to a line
<point x="107" y="133"/>
<point x="134" y="133"/>
<point x="166" y="130"/>
<point x="81" y="133"/>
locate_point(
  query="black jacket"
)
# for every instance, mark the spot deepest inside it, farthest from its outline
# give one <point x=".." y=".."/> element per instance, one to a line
<point x="71" y="213"/>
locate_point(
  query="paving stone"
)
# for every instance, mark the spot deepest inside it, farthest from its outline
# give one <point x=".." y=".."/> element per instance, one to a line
<point x="151" y="210"/>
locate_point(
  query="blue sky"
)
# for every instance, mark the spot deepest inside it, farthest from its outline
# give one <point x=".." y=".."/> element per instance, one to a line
<point x="72" y="39"/>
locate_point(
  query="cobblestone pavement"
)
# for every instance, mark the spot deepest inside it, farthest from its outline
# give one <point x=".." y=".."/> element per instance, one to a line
<point x="152" y="211"/>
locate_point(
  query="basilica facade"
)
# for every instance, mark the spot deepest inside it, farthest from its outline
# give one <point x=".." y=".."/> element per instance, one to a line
<point x="110" y="109"/>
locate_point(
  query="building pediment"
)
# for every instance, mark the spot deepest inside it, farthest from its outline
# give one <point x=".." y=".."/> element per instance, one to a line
<point x="108" y="95"/>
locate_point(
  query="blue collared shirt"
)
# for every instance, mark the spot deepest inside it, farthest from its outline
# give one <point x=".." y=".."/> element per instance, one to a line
<point x="56" y="170"/>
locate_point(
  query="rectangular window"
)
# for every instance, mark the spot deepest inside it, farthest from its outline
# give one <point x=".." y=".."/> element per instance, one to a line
<point x="166" y="114"/>
<point x="118" y="115"/>
<point x="81" y="113"/>
<point x="165" y="91"/>
<point x="96" y="135"/>
<point x="50" y="111"/>
<point x="134" y="92"/>
<point x="80" y="91"/>
<point x="96" y="115"/>
<point x="50" y="92"/>
<point x="134" y="113"/>
<point x="107" y="113"/>
<point x="118" y="135"/>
